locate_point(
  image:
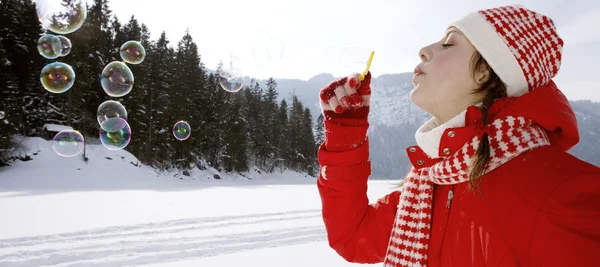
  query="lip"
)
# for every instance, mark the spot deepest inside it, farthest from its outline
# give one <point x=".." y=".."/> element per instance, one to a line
<point x="418" y="72"/>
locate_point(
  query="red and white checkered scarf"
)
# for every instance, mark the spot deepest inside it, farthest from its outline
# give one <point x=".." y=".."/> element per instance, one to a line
<point x="409" y="240"/>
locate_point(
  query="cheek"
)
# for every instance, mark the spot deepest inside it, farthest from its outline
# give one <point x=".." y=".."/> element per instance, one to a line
<point x="451" y="75"/>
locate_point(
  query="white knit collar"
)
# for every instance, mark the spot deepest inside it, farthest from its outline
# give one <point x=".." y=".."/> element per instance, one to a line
<point x="429" y="135"/>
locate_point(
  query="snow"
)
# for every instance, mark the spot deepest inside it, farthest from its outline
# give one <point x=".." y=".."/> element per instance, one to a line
<point x="56" y="127"/>
<point x="108" y="212"/>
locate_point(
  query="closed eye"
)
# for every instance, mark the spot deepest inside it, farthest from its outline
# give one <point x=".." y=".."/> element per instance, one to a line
<point x="447" y="45"/>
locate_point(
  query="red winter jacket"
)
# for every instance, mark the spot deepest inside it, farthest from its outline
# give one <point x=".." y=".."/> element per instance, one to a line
<point x="540" y="209"/>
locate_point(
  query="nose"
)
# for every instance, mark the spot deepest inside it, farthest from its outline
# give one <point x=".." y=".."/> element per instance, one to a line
<point x="424" y="53"/>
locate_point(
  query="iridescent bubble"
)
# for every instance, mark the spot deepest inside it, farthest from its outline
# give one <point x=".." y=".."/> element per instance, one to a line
<point x="49" y="46"/>
<point x="230" y="83"/>
<point x="62" y="17"/>
<point x="133" y="52"/>
<point x="117" y="79"/>
<point x="65" y="44"/>
<point x="113" y="124"/>
<point x="68" y="143"/>
<point x="116" y="140"/>
<point x="182" y="130"/>
<point x="230" y="75"/>
<point x="2" y="114"/>
<point x="57" y="77"/>
<point x="107" y="112"/>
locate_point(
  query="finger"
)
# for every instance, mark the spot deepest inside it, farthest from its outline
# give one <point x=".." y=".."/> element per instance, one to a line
<point x="353" y="81"/>
<point x="357" y="101"/>
<point x="366" y="99"/>
<point x="325" y="106"/>
<point x="342" y="97"/>
<point x="335" y="105"/>
<point x="328" y="91"/>
<point x="353" y="99"/>
<point x="365" y="86"/>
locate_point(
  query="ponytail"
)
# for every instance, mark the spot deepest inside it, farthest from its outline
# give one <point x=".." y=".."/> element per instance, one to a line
<point x="495" y="89"/>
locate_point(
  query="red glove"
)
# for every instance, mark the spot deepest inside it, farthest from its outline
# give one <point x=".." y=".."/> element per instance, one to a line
<point x="345" y="103"/>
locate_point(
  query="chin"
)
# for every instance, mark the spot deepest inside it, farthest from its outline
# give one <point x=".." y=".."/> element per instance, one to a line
<point x="420" y="100"/>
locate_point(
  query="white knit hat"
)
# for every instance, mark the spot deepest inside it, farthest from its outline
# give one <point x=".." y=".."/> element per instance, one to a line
<point x="520" y="45"/>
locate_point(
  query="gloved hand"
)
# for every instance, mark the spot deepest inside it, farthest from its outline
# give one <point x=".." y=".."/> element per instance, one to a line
<point x="346" y="103"/>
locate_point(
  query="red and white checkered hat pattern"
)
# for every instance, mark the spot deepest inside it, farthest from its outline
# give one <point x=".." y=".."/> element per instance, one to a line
<point x="521" y="46"/>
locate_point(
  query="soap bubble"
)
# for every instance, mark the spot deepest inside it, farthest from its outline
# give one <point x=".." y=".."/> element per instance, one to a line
<point x="133" y="52"/>
<point x="266" y="49"/>
<point x="117" y="79"/>
<point x="2" y="114"/>
<point x="182" y="130"/>
<point x="68" y="143"/>
<point x="116" y="140"/>
<point x="230" y="83"/>
<point x="107" y="112"/>
<point x="230" y="76"/>
<point x="57" y="77"/>
<point x="49" y="46"/>
<point x="62" y="17"/>
<point x="350" y="59"/>
<point x="65" y="44"/>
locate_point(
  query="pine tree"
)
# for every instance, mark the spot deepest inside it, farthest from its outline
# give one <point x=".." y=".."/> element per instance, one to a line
<point x="283" y="145"/>
<point x="235" y="158"/>
<point x="319" y="130"/>
<point x="189" y="91"/>
<point x="271" y="133"/>
<point x="160" y="125"/>
<point x="295" y="156"/>
<point x="255" y="127"/>
<point x="137" y="101"/>
<point x="309" y="150"/>
<point x="211" y="138"/>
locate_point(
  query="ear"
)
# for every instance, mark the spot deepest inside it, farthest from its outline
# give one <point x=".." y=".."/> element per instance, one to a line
<point x="482" y="76"/>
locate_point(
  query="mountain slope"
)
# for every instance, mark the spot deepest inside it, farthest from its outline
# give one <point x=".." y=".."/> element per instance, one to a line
<point x="394" y="120"/>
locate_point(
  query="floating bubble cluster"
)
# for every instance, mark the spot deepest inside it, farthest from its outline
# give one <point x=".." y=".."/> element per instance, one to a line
<point x="68" y="143"/>
<point x="117" y="79"/>
<point x="57" y="77"/>
<point x="182" y="130"/>
<point x="132" y="52"/>
<point x="62" y="17"/>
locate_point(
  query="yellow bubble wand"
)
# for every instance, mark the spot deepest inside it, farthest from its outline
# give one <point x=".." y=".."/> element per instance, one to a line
<point x="361" y="77"/>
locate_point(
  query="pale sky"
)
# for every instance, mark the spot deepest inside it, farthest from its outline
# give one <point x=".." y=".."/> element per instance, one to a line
<point x="314" y="33"/>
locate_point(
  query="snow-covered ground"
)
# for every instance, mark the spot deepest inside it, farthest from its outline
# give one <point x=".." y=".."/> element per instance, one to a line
<point x="58" y="211"/>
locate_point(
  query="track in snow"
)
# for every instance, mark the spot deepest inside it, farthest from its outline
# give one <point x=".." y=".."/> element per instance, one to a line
<point x="164" y="242"/>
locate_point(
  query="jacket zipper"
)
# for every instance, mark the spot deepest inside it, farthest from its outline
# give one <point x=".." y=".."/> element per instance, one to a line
<point x="450" y="197"/>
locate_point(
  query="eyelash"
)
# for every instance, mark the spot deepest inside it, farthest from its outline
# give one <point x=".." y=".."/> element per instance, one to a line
<point x="446" y="45"/>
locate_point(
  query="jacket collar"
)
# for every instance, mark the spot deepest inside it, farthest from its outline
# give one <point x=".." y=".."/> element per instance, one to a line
<point x="429" y="135"/>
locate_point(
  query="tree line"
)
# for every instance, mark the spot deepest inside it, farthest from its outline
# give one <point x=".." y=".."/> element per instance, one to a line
<point x="230" y="131"/>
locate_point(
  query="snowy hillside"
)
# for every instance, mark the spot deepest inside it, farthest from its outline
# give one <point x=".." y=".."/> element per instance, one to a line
<point x="394" y="120"/>
<point x="109" y="212"/>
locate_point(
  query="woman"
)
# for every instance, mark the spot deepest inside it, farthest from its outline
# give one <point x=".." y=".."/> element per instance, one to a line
<point x="492" y="183"/>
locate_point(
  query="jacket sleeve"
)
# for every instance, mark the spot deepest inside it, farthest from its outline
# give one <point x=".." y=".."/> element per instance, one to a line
<point x="567" y="232"/>
<point x="356" y="230"/>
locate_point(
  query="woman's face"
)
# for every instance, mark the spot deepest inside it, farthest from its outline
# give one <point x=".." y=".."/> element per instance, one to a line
<point x="443" y="81"/>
